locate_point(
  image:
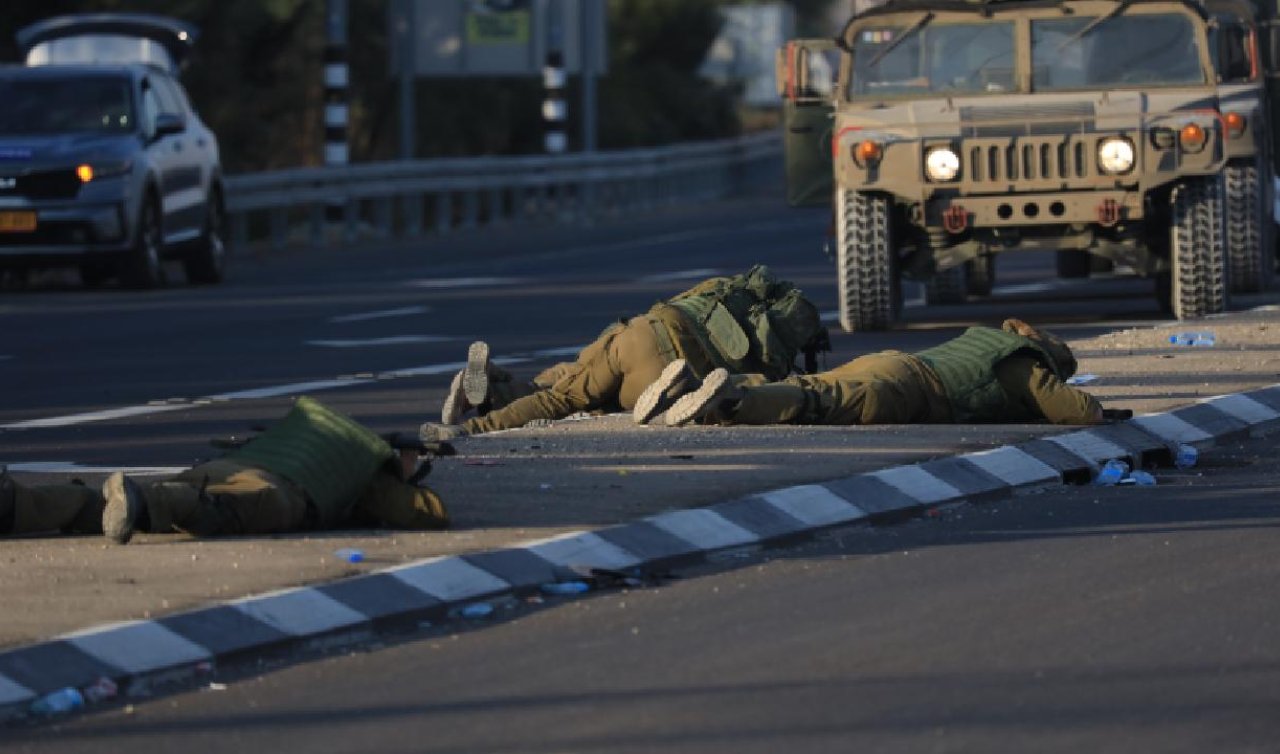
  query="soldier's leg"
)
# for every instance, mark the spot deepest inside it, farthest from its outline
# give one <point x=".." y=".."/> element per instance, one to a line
<point x="820" y="399"/>
<point x="389" y="501"/>
<point x="67" y="508"/>
<point x="223" y="497"/>
<point x="594" y="380"/>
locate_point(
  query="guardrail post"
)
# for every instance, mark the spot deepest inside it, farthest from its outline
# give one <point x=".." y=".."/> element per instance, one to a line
<point x="240" y="231"/>
<point x="497" y="207"/>
<point x="316" y="221"/>
<point x="470" y="210"/>
<point x="350" y="220"/>
<point x="382" y="215"/>
<point x="444" y="212"/>
<point x="411" y="205"/>
<point x="279" y="227"/>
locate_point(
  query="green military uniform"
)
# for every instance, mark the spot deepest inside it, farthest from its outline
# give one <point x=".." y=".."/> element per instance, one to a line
<point x="748" y="323"/>
<point x="313" y="469"/>
<point x="985" y="375"/>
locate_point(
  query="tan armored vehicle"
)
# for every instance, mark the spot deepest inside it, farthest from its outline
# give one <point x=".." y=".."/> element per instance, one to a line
<point x="955" y="131"/>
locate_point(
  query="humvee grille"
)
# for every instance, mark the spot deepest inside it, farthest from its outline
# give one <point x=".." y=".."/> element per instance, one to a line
<point x="1033" y="159"/>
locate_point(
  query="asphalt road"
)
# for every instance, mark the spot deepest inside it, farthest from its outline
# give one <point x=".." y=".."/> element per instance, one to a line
<point x="1080" y="619"/>
<point x="113" y="378"/>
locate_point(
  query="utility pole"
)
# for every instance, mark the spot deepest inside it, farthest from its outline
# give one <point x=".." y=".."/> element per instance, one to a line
<point x="337" y="79"/>
<point x="587" y="23"/>
<point x="554" y="109"/>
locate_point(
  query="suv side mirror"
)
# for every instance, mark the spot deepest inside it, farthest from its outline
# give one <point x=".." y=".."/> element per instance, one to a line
<point x="170" y="123"/>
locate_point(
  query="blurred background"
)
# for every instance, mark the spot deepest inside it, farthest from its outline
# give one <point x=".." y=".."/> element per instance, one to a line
<point x="674" y="70"/>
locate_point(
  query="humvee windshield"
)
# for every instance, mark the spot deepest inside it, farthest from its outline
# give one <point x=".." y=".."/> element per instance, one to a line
<point x="937" y="57"/>
<point x="1137" y="50"/>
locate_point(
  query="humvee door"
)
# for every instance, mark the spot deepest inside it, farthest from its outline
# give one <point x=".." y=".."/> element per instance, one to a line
<point x="806" y="73"/>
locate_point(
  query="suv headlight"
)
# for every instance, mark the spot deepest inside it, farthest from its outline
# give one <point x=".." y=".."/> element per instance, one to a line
<point x="1115" y="155"/>
<point x="941" y="164"/>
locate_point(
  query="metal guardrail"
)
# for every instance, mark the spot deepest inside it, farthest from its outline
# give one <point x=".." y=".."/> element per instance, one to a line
<point x="388" y="199"/>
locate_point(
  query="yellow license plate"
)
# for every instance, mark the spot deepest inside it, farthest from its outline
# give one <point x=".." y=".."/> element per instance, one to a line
<point x="17" y="222"/>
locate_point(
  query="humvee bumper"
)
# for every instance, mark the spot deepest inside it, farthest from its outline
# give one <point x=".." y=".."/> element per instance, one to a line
<point x="1106" y="208"/>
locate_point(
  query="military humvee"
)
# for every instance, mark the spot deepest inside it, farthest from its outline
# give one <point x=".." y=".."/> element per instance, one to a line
<point x="958" y="130"/>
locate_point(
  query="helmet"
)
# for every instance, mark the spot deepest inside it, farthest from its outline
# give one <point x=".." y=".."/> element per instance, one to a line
<point x="1058" y="350"/>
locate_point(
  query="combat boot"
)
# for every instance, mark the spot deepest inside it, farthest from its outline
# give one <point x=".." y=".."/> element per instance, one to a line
<point x="431" y="432"/>
<point x="475" y="377"/>
<point x="455" y="401"/>
<point x="676" y="380"/>
<point x="125" y="507"/>
<point x="716" y="394"/>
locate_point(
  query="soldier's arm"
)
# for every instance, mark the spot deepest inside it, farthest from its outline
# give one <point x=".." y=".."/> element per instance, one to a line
<point x="705" y="286"/>
<point x="1033" y="385"/>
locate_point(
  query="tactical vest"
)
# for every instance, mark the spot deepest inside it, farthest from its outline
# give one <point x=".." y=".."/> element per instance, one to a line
<point x="966" y="368"/>
<point x="751" y="322"/>
<point x="326" y="454"/>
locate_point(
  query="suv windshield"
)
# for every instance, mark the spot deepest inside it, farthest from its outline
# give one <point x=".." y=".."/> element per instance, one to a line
<point x="945" y="58"/>
<point x="47" y="105"/>
<point x="1131" y="50"/>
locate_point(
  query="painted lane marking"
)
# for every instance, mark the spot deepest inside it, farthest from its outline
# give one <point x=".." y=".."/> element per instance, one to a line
<point x="93" y="416"/>
<point x="666" y="277"/>
<point x="392" y="340"/>
<point x="405" y="311"/>
<point x="5" y="357"/>
<point x="461" y="282"/>
<point x="72" y="467"/>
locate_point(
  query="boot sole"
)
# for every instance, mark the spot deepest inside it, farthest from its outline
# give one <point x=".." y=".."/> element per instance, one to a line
<point x="454" y="402"/>
<point x="475" y="378"/>
<point x="122" y="508"/>
<point x="695" y="404"/>
<point x="651" y="402"/>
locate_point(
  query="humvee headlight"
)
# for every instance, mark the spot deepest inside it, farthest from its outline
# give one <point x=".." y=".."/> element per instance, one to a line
<point x="941" y="164"/>
<point x="1192" y="137"/>
<point x="1235" y="123"/>
<point x="1115" y="156"/>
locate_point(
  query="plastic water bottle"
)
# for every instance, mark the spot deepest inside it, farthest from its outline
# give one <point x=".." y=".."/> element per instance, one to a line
<point x="477" y="610"/>
<point x="1186" y="457"/>
<point x="58" y="702"/>
<point x="1112" y="472"/>
<point x="1193" y="338"/>
<point x="566" y="587"/>
<point x="349" y="554"/>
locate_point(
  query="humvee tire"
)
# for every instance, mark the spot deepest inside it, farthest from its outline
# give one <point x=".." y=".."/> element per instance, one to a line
<point x="980" y="275"/>
<point x="866" y="262"/>
<point x="1072" y="263"/>
<point x="1251" y="266"/>
<point x="1197" y="251"/>
<point x="947" y="287"/>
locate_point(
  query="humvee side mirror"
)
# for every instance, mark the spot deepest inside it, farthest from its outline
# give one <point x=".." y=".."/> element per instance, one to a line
<point x="1234" y="56"/>
<point x="800" y="70"/>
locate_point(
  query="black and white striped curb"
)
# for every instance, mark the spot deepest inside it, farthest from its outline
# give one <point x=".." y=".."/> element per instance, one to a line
<point x="182" y="645"/>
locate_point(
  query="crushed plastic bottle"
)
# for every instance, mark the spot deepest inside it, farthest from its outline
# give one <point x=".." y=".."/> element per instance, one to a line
<point x="1111" y="473"/>
<point x="1186" y="457"/>
<point x="477" y="610"/>
<point x="566" y="587"/>
<point x="102" y="689"/>
<point x="1197" y="338"/>
<point x="58" y="702"/>
<point x="349" y="554"/>
<point x="1139" y="478"/>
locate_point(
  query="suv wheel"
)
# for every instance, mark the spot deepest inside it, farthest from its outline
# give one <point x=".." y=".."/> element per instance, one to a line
<point x="980" y="275"/>
<point x="1073" y="263"/>
<point x="947" y="286"/>
<point x="1197" y="254"/>
<point x="206" y="262"/>
<point x="1251" y="269"/>
<point x="142" y="267"/>
<point x="870" y="292"/>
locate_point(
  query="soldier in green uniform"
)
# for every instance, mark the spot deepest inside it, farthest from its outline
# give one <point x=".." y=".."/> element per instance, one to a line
<point x="1012" y="374"/>
<point x="313" y="469"/>
<point x="746" y="323"/>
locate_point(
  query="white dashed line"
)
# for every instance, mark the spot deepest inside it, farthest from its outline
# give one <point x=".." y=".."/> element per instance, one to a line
<point x="461" y="282"/>
<point x="386" y="313"/>
<point x="71" y="467"/>
<point x="666" y="277"/>
<point x="391" y="340"/>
